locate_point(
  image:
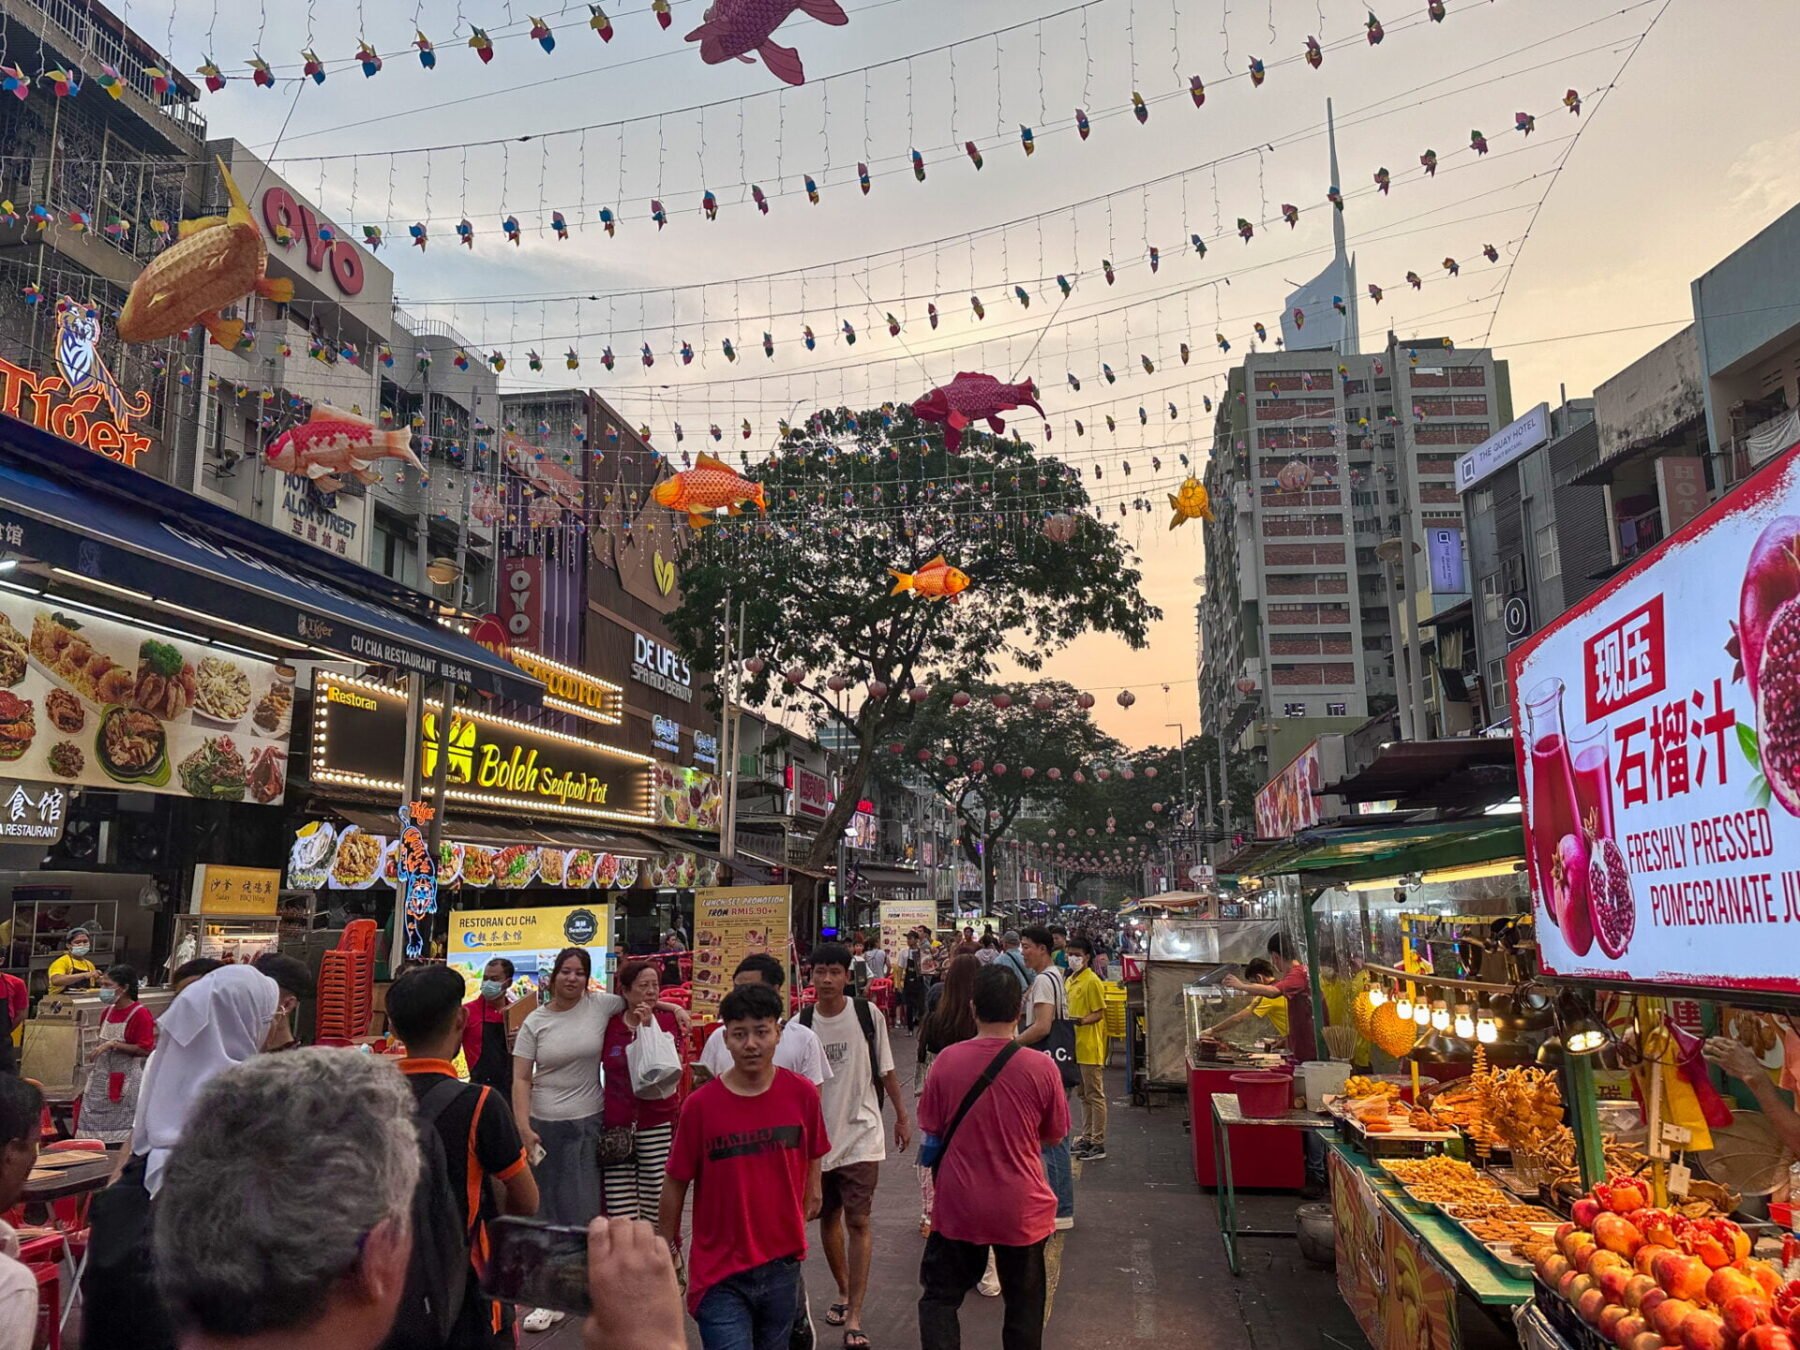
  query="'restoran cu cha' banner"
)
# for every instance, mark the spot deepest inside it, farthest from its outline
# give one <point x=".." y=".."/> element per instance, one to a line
<point x="1657" y="728"/>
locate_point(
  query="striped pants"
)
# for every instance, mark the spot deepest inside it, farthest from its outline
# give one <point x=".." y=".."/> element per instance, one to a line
<point x="633" y="1188"/>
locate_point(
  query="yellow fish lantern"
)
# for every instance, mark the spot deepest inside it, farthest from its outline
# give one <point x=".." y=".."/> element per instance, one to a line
<point x="936" y="580"/>
<point x="706" y="487"/>
<point x="1191" y="503"/>
<point x="217" y="262"/>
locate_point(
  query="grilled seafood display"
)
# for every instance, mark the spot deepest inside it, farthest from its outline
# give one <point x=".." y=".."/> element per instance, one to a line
<point x="57" y="643"/>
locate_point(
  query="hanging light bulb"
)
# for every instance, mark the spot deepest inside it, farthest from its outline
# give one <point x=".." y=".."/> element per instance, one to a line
<point x="1377" y="995"/>
<point x="1403" y="1007"/>
<point x="1465" y="1022"/>
<point x="1440" y="1016"/>
<point x="1487" y="1030"/>
<point x="1422" y="1013"/>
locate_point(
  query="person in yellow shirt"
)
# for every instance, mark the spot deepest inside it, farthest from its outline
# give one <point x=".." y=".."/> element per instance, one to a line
<point x="72" y="971"/>
<point x="1087" y="1010"/>
<point x="1271" y="1010"/>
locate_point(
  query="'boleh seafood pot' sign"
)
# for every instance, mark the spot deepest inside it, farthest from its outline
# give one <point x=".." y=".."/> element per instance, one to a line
<point x="492" y="763"/>
<point x="89" y="700"/>
<point x="1657" y="727"/>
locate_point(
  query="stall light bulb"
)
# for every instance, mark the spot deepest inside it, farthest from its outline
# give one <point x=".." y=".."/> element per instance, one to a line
<point x="1403" y="1008"/>
<point x="1440" y="1016"/>
<point x="1377" y="996"/>
<point x="1465" y="1024"/>
<point x="1422" y="1013"/>
<point x="1487" y="1030"/>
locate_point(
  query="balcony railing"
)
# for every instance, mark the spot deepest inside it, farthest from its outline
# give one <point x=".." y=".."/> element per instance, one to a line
<point x="96" y="43"/>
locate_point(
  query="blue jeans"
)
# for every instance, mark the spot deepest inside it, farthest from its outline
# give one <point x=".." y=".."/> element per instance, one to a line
<point x="1060" y="1173"/>
<point x="751" y="1310"/>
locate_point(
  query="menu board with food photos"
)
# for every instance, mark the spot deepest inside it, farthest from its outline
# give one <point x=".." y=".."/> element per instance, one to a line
<point x="688" y="799"/>
<point x="731" y="922"/>
<point x="91" y="700"/>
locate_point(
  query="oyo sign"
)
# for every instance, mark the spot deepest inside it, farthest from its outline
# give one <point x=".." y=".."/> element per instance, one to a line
<point x="284" y="215"/>
<point x="522" y="606"/>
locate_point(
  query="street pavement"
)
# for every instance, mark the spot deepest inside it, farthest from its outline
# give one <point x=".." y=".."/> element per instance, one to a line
<point x="1143" y="1264"/>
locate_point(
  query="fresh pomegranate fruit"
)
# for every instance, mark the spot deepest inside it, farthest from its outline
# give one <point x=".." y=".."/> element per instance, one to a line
<point x="1570" y="872"/>
<point x="1611" y="904"/>
<point x="1777" y="695"/>
<point x="1771" y="579"/>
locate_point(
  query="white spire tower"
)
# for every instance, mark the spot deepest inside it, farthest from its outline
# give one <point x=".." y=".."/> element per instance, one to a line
<point x="1349" y="344"/>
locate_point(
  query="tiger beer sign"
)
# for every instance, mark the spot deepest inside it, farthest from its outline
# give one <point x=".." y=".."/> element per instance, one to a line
<point x="84" y="404"/>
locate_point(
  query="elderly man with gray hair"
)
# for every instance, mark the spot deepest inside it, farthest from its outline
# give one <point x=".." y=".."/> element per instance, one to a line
<point x="283" y="1217"/>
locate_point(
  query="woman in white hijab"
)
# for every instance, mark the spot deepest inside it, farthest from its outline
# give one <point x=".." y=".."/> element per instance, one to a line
<point x="222" y="1019"/>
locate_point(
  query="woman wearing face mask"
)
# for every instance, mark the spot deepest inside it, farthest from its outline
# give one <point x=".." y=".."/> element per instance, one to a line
<point x="485" y="1051"/>
<point x="116" y="1066"/>
<point x="556" y="1096"/>
<point x="72" y="972"/>
<point x="222" y="1019"/>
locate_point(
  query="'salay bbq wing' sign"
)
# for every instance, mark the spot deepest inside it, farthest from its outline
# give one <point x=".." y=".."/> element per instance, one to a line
<point x="1657" y="728"/>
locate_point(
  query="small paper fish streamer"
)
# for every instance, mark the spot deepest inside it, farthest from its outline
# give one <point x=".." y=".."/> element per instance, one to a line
<point x="1257" y="73"/>
<point x="312" y="68"/>
<point x="571" y="359"/>
<point x="862" y="178"/>
<point x="1451" y="267"/>
<point x="1315" y="54"/>
<point x="1074" y="383"/>
<point x="1262" y="334"/>
<point x="1107" y="371"/>
<point x="1572" y="101"/>
<point x="806" y="336"/>
<point x="465" y="233"/>
<point x="1106" y="269"/>
<point x="918" y="163"/>
<point x="1413" y="280"/>
<point x="769" y="345"/>
<point x="1374" y="292"/>
<point x="849" y="331"/>
<point x="812" y="190"/>
<point x="607" y="358"/>
<point x="1375" y="30"/>
<point x="559" y="223"/>
<point x="1435" y="8"/>
<point x="608" y="221"/>
<point x="417" y="231"/>
<point x="1026" y="142"/>
<point x="1023" y="296"/>
<point x="1246" y="231"/>
<point x="1063" y="285"/>
<point x="541" y="34"/>
<point x="368" y="58"/>
<point x="729" y="350"/>
<point x="1429" y="160"/>
<point x="973" y="151"/>
<point x="660" y="216"/>
<point x="1290" y="213"/>
<point x="482" y="44"/>
<point x="1224" y="343"/>
<point x="757" y="197"/>
<point x="1335" y="197"/>
<point x="600" y="23"/>
<point x="207" y="70"/>
<point x="931" y="314"/>
<point x="1184" y="353"/>
<point x="1081" y="123"/>
<point x="709" y="204"/>
<point x="1139" y="108"/>
<point x="1524" y="123"/>
<point x="427" y="53"/>
<point x="1197" y="90"/>
<point x="1491" y="253"/>
<point x="1155" y="259"/>
<point x="647" y="356"/>
<point x="687" y="353"/>
<point x="511" y="227"/>
<point x="1382" y="180"/>
<point x="260" y="75"/>
<point x="1478" y="143"/>
<point x="661" y="9"/>
<point x="893" y="324"/>
<point x="979" y="308"/>
<point x="533" y="361"/>
<point x="1148" y="364"/>
<point x="1198" y="243"/>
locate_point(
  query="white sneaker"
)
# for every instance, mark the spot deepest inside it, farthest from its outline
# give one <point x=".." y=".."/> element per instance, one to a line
<point x="989" y="1287"/>
<point x="541" y="1319"/>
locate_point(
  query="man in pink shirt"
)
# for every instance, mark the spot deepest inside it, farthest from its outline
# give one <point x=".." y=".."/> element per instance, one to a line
<point x="991" y="1191"/>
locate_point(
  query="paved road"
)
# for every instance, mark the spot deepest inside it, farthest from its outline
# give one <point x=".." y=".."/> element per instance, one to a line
<point x="1143" y="1264"/>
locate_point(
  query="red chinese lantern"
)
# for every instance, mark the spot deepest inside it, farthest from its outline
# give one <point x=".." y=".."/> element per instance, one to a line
<point x="1150" y="772"/>
<point x="919" y="693"/>
<point x="1079" y="776"/>
<point x="960" y="699"/>
<point x="999" y="770"/>
<point x="755" y="665"/>
<point x="1054" y="774"/>
<point x="1126" y="698"/>
<point x="1028" y="773"/>
<point x="794" y="674"/>
<point x="1002" y="701"/>
<point x="1084" y="700"/>
<point x="950" y="761"/>
<point x="837" y="684"/>
<point x="1042" y="702"/>
<point x="976" y="766"/>
<point x="877" y="689"/>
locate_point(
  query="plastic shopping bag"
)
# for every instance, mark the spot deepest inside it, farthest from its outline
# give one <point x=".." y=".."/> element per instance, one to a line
<point x="655" y="1066"/>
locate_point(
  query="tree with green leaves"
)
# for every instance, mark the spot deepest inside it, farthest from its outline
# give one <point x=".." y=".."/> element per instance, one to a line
<point x="852" y="500"/>
<point x="988" y="752"/>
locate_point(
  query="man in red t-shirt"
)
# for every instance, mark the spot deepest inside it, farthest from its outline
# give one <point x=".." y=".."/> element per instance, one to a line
<point x="991" y="1190"/>
<point x="1294" y="983"/>
<point x="749" y="1142"/>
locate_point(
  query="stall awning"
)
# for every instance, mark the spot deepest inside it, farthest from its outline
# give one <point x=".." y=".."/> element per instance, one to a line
<point x="891" y="878"/>
<point x="131" y="534"/>
<point x="497" y="833"/>
<point x="1355" y="853"/>
<point x="1451" y="774"/>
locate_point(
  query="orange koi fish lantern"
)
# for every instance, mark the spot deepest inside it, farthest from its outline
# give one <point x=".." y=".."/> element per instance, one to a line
<point x="706" y="487"/>
<point x="936" y="580"/>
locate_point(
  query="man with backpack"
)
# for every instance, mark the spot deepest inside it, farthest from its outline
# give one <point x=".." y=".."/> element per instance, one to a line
<point x="855" y="1040"/>
<point x="477" y="1142"/>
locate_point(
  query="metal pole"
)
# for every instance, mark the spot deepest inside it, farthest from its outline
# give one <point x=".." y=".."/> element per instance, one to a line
<point x="1415" y="665"/>
<point x="727" y="767"/>
<point x="410" y="766"/>
<point x="1224" y="791"/>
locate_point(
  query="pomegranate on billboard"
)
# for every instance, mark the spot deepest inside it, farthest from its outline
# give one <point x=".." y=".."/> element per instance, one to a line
<point x="1657" y="729"/>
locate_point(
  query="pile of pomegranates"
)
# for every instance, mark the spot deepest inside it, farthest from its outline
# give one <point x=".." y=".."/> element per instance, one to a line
<point x="1647" y="1278"/>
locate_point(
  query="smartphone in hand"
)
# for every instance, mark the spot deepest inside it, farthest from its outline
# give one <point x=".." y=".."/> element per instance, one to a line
<point x="538" y="1265"/>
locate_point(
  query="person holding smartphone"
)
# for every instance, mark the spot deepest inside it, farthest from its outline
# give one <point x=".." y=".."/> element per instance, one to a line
<point x="749" y="1143"/>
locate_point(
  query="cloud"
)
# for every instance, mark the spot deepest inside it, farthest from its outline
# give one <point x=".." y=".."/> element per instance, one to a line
<point x="1765" y="180"/>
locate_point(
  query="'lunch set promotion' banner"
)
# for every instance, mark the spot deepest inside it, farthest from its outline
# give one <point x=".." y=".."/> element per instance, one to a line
<point x="1657" y="728"/>
<point x="897" y="918"/>
<point x="730" y="922"/>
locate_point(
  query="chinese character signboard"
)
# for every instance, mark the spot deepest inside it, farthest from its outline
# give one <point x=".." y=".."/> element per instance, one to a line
<point x="731" y="922"/>
<point x="332" y="521"/>
<point x="235" y="890"/>
<point x="809" y="793"/>
<point x="86" y="700"/>
<point x="32" y="812"/>
<point x="1657" y="728"/>
<point x="529" y="938"/>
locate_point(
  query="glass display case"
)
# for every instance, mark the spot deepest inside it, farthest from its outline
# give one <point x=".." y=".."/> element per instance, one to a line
<point x="1184" y="954"/>
<point x="1207" y="1002"/>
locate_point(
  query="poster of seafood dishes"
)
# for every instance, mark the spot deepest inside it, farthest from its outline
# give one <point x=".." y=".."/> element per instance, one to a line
<point x="86" y="700"/>
<point x="1657" y="731"/>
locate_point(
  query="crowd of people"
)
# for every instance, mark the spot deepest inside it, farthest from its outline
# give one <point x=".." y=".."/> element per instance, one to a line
<point x="321" y="1197"/>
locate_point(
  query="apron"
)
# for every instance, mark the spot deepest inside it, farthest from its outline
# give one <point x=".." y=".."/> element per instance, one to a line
<point x="109" y="1101"/>
<point x="494" y="1067"/>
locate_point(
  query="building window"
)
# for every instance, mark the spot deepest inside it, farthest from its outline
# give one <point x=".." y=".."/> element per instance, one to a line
<point x="1492" y="594"/>
<point x="1496" y="689"/>
<point x="1293" y="710"/>
<point x="1549" y="555"/>
<point x="1337" y="709"/>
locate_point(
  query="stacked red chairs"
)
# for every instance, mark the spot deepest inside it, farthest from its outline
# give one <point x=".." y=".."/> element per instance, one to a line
<point x="881" y="994"/>
<point x="347" y="986"/>
<point x="681" y="995"/>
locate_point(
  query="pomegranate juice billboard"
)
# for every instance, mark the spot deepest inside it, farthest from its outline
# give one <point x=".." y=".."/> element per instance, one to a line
<point x="1657" y="728"/>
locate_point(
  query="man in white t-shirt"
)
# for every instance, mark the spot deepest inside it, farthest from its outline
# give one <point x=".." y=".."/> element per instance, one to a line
<point x="855" y="1040"/>
<point x="1046" y="1002"/>
<point x="21" y="1116"/>
<point x="798" y="1048"/>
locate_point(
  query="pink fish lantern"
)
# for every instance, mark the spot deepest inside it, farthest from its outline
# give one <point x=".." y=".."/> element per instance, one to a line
<point x="738" y="29"/>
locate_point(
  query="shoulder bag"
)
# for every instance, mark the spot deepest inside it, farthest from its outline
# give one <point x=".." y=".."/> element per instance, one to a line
<point x="933" y="1147"/>
<point x="1059" y="1044"/>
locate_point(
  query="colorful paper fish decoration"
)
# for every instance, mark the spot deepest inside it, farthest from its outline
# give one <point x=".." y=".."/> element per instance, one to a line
<point x="482" y="44"/>
<point x="737" y="28"/>
<point x="1451" y="267"/>
<point x="1106" y="270"/>
<point x="1199" y="244"/>
<point x="849" y="331"/>
<point x="417" y="231"/>
<point x="647" y="356"/>
<point x="31" y="294"/>
<point x="1148" y="364"/>
<point x="1262" y="334"/>
<point x="1429" y="160"/>
<point x="931" y="314"/>
<point x="708" y="486"/>
<point x="159" y="79"/>
<point x="730" y="351"/>
<point x="1197" y="90"/>
<point x="600" y="23"/>
<point x="1223" y="341"/>
<point x="1376" y="32"/>
<point x="1412" y="279"/>
<point x="1080" y="430"/>
<point x="260" y="74"/>
<point x="1081" y="123"/>
<point x="769" y="344"/>
<point x="115" y="86"/>
<point x="745" y="429"/>
<point x="1290" y="213"/>
<point x="78" y="221"/>
<point x="1572" y="101"/>
<point x="1478" y="143"/>
<point x="893" y="325"/>
<point x="606" y="358"/>
<point x="460" y="360"/>
<point x="806" y="336"/>
<point x="560" y="224"/>
<point x="1074" y="383"/>
<point x="936" y="580"/>
<point x="541" y="34"/>
<point x="1184" y="353"/>
<point x="709" y="205"/>
<point x="1139" y="108"/>
<point x="1111" y="425"/>
<point x="1026" y="141"/>
<point x="1337" y="303"/>
<point x="1106" y="372"/>
<point x="208" y="70"/>
<point x="1155" y="259"/>
<point x="386" y="355"/>
<point x="1335" y="197"/>
<point x="812" y="190"/>
<point x="571" y="360"/>
<point x="1315" y="54"/>
<point x="918" y="163"/>
<point x="1382" y="180"/>
<point x="497" y="359"/>
<point x="761" y="202"/>
<point x="1374" y="292"/>
<point x="333" y="448"/>
<point x="465" y="233"/>
<point x="533" y="360"/>
<point x="687" y="353"/>
<point x="660" y="216"/>
<point x="116" y="227"/>
<point x="1435" y="8"/>
<point x="862" y="178"/>
<point x="1524" y="123"/>
<point x="661" y="9"/>
<point x="427" y="53"/>
<point x="311" y="67"/>
<point x="608" y="221"/>
<point x="1246" y="231"/>
<point x="219" y="260"/>
<point x="970" y="397"/>
<point x="511" y="226"/>
<point x="1491" y="253"/>
<point x="973" y="152"/>
<point x="368" y="58"/>
<point x="1257" y="73"/>
<point x="979" y="308"/>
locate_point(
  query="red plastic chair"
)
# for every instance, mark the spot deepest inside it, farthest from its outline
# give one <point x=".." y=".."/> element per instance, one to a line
<point x="681" y="995"/>
<point x="49" y="1309"/>
<point x="881" y="994"/>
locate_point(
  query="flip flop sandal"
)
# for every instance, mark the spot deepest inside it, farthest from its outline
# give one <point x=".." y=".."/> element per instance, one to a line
<point x="837" y="1314"/>
<point x="856" y="1340"/>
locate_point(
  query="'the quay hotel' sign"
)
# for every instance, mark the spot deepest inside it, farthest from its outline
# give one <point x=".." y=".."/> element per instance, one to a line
<point x="359" y="733"/>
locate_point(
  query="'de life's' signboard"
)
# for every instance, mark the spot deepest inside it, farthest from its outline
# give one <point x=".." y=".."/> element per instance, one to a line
<point x="1657" y="728"/>
<point x="359" y="735"/>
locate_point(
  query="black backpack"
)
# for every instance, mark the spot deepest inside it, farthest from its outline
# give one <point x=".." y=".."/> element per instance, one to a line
<point x="439" y="1272"/>
<point x="867" y="1021"/>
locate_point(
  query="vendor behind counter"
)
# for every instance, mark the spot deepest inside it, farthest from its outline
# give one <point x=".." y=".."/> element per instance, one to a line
<point x="72" y="971"/>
